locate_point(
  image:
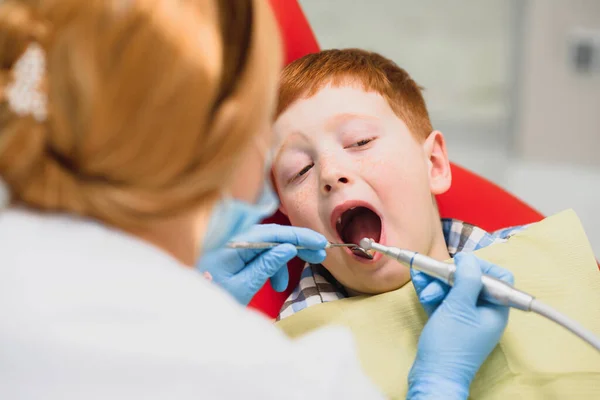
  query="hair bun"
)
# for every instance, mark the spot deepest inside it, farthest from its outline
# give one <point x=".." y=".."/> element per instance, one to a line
<point x="22" y="137"/>
<point x="150" y="107"/>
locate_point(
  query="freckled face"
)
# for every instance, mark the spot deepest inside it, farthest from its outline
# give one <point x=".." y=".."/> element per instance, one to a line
<point x="345" y="149"/>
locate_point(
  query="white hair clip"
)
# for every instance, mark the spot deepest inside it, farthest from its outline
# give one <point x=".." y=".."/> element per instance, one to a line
<point x="24" y="94"/>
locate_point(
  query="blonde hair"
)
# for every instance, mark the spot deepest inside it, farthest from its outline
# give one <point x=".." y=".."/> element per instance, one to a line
<point x="150" y="102"/>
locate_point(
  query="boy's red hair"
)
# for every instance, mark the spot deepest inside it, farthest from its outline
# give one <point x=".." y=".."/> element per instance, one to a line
<point x="304" y="77"/>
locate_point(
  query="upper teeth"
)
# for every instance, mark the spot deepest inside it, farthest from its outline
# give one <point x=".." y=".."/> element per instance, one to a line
<point x="339" y="220"/>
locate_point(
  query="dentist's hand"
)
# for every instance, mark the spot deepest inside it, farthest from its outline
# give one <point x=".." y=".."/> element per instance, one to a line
<point x="461" y="331"/>
<point x="242" y="272"/>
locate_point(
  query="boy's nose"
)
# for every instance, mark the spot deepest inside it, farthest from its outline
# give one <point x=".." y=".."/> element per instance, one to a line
<point x="334" y="173"/>
<point x="335" y="183"/>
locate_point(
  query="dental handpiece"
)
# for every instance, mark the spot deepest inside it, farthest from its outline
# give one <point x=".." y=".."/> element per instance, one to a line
<point x="494" y="290"/>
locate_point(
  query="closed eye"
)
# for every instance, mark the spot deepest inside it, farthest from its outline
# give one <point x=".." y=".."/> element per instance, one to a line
<point x="303" y="171"/>
<point x="363" y="142"/>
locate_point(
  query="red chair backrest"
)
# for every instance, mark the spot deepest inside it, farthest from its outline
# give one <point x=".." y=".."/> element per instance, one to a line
<point x="471" y="198"/>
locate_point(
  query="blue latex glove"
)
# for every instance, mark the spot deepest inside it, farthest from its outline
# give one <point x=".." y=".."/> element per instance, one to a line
<point x="461" y="332"/>
<point x="242" y="272"/>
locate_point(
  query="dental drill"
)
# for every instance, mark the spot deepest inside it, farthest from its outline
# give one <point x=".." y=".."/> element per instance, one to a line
<point x="494" y="290"/>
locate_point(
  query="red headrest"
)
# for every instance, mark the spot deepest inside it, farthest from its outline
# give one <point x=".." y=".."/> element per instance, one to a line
<point x="471" y="198"/>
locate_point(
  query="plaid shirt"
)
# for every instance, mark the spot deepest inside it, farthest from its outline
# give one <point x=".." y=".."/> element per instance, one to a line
<point x="317" y="285"/>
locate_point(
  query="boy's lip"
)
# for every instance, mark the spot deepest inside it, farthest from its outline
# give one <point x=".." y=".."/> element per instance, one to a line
<point x="337" y="213"/>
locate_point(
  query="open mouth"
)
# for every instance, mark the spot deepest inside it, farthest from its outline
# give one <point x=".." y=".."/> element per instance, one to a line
<point x="357" y="223"/>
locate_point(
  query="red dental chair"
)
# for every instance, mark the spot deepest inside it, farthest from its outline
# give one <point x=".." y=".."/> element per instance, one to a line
<point x="471" y="198"/>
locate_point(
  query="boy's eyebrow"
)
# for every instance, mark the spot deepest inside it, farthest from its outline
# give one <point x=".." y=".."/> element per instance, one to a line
<point x="294" y="133"/>
<point x="286" y="143"/>
<point x="338" y="119"/>
<point x="331" y="124"/>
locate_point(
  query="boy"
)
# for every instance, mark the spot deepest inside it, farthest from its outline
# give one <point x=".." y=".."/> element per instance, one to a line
<point x="359" y="158"/>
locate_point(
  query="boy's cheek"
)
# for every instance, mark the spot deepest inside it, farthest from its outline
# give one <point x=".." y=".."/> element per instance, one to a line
<point x="396" y="172"/>
<point x="387" y="160"/>
<point x="301" y="208"/>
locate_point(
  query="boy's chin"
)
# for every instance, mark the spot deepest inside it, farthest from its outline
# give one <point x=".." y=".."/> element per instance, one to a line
<point x="378" y="286"/>
<point x="383" y="276"/>
<point x="375" y="289"/>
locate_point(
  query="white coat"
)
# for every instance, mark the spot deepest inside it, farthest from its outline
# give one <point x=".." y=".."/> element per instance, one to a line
<point x="89" y="312"/>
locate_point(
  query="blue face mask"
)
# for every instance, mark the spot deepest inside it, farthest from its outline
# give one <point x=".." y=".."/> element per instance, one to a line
<point x="231" y="217"/>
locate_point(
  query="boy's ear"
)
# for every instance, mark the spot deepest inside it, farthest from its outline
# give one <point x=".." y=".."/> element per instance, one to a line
<point x="440" y="175"/>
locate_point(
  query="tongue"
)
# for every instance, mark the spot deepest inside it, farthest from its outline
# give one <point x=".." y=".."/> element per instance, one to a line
<point x="365" y="224"/>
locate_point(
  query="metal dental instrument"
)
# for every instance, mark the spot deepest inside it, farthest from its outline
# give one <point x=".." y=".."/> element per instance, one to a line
<point x="494" y="290"/>
<point x="269" y="245"/>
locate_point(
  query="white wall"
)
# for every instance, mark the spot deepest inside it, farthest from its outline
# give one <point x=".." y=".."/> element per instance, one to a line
<point x="559" y="117"/>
